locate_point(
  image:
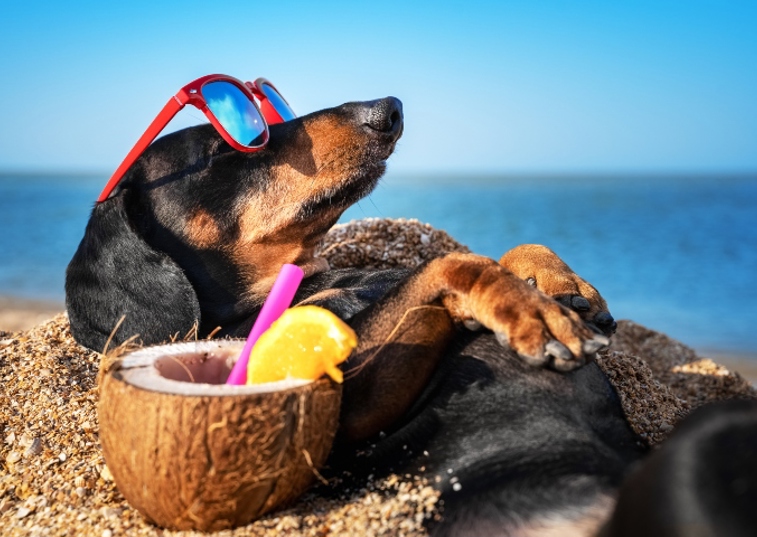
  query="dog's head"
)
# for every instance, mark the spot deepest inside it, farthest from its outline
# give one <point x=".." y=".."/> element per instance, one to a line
<point x="224" y="220"/>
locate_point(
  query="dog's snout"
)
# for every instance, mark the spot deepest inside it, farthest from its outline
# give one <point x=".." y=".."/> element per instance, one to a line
<point x="384" y="115"/>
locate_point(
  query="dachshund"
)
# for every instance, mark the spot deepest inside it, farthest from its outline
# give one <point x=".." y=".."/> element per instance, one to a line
<point x="474" y="373"/>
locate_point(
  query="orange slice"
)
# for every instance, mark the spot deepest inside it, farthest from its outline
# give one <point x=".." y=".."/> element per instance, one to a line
<point x="304" y="343"/>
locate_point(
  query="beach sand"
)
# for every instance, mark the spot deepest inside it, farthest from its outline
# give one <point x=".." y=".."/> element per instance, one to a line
<point x="54" y="480"/>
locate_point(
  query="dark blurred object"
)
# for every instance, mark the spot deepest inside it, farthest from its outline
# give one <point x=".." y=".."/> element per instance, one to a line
<point x="701" y="483"/>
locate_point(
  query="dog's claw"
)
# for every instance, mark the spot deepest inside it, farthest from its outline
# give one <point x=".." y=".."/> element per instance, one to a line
<point x="558" y="351"/>
<point x="539" y="360"/>
<point x="472" y="325"/>
<point x="593" y="345"/>
<point x="502" y="338"/>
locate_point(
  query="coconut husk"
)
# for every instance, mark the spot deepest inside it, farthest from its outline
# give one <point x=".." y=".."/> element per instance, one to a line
<point x="54" y="480"/>
<point x="193" y="455"/>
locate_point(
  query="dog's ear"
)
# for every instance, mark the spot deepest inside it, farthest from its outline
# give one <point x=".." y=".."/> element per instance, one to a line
<point x="115" y="273"/>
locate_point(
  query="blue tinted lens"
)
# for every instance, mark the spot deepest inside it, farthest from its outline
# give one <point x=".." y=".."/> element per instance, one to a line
<point x="278" y="102"/>
<point x="235" y="112"/>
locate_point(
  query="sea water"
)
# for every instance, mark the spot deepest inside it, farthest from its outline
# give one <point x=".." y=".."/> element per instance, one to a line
<point x="675" y="253"/>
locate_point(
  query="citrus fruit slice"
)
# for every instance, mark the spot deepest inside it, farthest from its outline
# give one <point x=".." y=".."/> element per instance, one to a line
<point x="304" y="343"/>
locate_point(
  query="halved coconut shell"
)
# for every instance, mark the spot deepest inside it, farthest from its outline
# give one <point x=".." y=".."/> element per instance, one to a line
<point x="189" y="452"/>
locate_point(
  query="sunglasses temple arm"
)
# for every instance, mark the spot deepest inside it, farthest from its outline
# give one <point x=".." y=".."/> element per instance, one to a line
<point x="171" y="108"/>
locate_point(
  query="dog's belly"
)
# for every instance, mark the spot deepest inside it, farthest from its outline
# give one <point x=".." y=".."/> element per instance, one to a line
<point x="505" y="442"/>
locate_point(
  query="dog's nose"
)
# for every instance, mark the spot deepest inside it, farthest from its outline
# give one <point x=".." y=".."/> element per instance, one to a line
<point x="384" y="115"/>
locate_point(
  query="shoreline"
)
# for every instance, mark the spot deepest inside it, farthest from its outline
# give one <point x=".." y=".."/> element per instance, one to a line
<point x="20" y="314"/>
<point x="744" y="364"/>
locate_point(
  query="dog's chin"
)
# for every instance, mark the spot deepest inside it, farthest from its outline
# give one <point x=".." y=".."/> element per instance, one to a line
<point x="354" y="185"/>
<point x="358" y="185"/>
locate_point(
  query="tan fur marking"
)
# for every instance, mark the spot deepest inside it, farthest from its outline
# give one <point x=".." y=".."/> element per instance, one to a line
<point x="262" y="249"/>
<point x="315" y="266"/>
<point x="262" y="263"/>
<point x="332" y="140"/>
<point x="269" y="233"/>
<point x="334" y="153"/>
<point x="326" y="294"/>
<point x="336" y="150"/>
<point x="202" y="230"/>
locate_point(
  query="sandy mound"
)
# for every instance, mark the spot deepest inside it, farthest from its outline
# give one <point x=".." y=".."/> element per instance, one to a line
<point x="53" y="479"/>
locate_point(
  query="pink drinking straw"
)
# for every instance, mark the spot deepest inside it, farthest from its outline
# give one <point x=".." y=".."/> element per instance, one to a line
<point x="278" y="300"/>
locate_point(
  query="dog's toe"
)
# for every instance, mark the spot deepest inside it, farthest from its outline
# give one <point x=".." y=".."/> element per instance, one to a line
<point x="472" y="325"/>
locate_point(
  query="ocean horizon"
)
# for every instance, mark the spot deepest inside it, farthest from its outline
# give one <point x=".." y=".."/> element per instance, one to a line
<point x="676" y="253"/>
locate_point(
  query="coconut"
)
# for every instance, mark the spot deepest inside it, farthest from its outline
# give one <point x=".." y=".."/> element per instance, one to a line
<point x="190" y="452"/>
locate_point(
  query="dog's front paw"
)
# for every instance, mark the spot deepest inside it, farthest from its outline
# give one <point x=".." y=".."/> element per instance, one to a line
<point x="545" y="333"/>
<point x="542" y="268"/>
<point x="541" y="330"/>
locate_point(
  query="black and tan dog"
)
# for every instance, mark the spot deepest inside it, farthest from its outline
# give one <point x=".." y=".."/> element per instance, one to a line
<point x="517" y="435"/>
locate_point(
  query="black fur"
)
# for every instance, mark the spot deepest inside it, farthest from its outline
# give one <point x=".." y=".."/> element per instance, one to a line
<point x="701" y="483"/>
<point x="507" y="444"/>
<point x="116" y="274"/>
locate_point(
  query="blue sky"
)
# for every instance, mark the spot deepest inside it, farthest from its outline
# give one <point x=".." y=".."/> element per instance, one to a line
<point x="494" y="86"/>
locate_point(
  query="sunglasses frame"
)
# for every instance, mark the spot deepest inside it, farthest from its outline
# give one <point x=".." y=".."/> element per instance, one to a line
<point x="192" y="94"/>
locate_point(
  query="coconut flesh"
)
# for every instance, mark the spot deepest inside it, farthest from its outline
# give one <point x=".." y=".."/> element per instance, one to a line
<point x="190" y="452"/>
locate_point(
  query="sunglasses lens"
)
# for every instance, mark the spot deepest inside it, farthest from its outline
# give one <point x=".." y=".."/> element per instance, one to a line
<point x="235" y="111"/>
<point x="278" y="102"/>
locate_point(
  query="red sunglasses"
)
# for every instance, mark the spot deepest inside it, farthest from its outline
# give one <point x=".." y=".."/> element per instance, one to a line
<point x="240" y="112"/>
